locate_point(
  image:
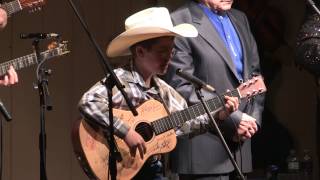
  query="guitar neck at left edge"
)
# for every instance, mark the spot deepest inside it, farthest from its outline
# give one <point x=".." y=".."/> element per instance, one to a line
<point x="18" y="5"/>
<point x="31" y="59"/>
<point x="18" y="63"/>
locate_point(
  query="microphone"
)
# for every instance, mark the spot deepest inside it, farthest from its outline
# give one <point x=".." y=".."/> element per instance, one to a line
<point x="314" y="6"/>
<point x="39" y="35"/>
<point x="4" y="112"/>
<point x="194" y="80"/>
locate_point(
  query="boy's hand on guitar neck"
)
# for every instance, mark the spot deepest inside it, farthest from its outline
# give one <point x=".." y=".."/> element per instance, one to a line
<point x="134" y="142"/>
<point x="231" y="105"/>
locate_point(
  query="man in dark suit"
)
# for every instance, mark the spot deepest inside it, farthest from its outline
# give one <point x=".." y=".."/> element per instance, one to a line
<point x="223" y="55"/>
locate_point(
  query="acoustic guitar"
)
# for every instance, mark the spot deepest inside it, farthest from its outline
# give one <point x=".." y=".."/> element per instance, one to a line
<point x="153" y="124"/>
<point x="18" y="5"/>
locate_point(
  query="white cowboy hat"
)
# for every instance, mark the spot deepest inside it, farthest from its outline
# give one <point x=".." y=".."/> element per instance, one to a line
<point x="147" y="24"/>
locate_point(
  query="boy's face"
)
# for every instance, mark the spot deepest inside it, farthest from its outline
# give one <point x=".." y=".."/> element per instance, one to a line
<point x="156" y="59"/>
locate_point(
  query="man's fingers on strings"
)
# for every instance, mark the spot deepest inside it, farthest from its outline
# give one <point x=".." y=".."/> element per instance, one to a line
<point x="14" y="75"/>
<point x="133" y="151"/>
<point x="144" y="148"/>
<point x="11" y="76"/>
<point x="141" y="150"/>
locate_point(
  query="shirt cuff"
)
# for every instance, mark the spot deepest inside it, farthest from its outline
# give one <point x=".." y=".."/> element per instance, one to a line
<point x="122" y="131"/>
<point x="236" y="117"/>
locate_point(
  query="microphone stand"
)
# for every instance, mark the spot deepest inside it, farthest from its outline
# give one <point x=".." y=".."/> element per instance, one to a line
<point x="113" y="80"/>
<point x="45" y="104"/>
<point x="8" y="118"/>
<point x="4" y="112"/>
<point x="206" y="108"/>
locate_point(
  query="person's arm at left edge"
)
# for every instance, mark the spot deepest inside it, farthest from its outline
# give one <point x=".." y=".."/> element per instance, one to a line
<point x="10" y="78"/>
<point x="3" y="18"/>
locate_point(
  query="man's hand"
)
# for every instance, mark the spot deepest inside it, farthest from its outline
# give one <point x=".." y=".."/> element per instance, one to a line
<point x="134" y="141"/>
<point x="232" y="104"/>
<point x="3" y="18"/>
<point x="10" y="78"/>
<point x="247" y="128"/>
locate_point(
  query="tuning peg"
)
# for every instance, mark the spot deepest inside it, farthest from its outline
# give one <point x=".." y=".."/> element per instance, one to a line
<point x="254" y="92"/>
<point x="244" y="85"/>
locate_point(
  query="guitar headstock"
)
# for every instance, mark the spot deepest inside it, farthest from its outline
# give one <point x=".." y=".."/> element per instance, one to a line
<point x="60" y="48"/>
<point x="252" y="87"/>
<point x="32" y="5"/>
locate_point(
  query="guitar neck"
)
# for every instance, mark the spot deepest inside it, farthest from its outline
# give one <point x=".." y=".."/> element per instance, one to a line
<point x="176" y="119"/>
<point x="18" y="63"/>
<point x="12" y="7"/>
<point x="28" y="60"/>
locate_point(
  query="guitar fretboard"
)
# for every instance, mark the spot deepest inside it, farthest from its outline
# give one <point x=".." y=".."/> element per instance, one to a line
<point x="28" y="60"/>
<point x="12" y="7"/>
<point x="176" y="119"/>
<point x="18" y="63"/>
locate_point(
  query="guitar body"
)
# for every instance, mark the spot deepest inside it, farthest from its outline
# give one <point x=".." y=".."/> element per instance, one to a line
<point x="92" y="150"/>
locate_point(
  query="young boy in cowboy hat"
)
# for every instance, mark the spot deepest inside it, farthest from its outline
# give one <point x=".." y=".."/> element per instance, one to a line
<point x="149" y="40"/>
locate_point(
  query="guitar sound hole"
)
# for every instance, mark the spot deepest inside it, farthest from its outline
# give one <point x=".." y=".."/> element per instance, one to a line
<point x="145" y="130"/>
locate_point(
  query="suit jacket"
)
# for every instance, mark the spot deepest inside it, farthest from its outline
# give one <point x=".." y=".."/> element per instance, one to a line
<point x="207" y="58"/>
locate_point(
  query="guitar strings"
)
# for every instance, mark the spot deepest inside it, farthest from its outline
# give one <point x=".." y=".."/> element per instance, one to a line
<point x="140" y="129"/>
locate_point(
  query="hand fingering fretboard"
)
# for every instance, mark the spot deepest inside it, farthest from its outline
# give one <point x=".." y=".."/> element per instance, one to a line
<point x="28" y="60"/>
<point x="176" y="119"/>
